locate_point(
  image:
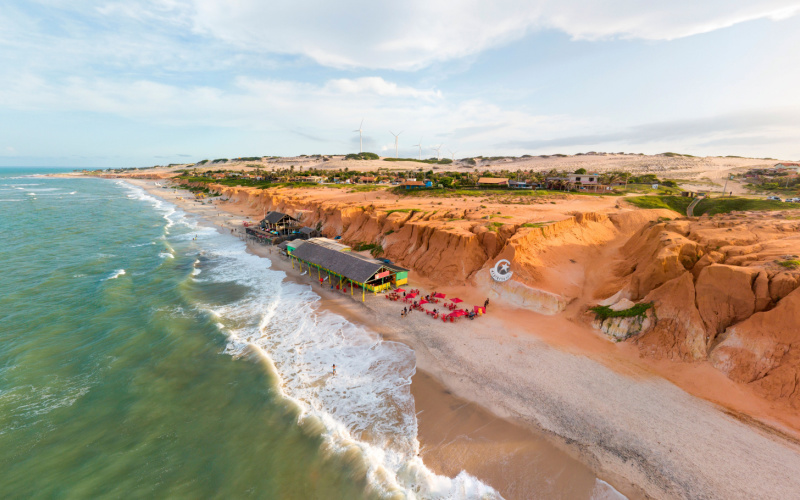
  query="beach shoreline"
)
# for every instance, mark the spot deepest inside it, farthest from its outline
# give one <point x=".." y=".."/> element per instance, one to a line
<point x="548" y="390"/>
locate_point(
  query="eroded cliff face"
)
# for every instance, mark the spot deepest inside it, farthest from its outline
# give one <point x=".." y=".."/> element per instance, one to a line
<point x="453" y="246"/>
<point x="724" y="289"/>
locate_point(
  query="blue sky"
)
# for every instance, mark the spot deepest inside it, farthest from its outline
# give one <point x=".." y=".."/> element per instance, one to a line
<point x="143" y="82"/>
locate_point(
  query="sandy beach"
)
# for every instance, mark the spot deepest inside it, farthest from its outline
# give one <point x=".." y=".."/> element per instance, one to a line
<point x="521" y="387"/>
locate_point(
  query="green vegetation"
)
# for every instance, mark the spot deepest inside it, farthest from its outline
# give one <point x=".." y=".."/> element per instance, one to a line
<point x="376" y="250"/>
<point x="361" y="246"/>
<point x="494" y="226"/>
<point x="713" y="206"/>
<point x="362" y="156"/>
<point x="430" y="161"/>
<point x="790" y="264"/>
<point x="537" y="224"/>
<point x="676" y="203"/>
<point x="364" y="188"/>
<point x="401" y="210"/>
<point x="604" y="312"/>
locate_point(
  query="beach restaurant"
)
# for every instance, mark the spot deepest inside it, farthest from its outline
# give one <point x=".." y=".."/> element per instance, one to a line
<point x="279" y="222"/>
<point x="343" y="267"/>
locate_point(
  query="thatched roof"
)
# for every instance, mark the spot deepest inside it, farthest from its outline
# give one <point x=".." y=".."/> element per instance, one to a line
<point x="492" y="180"/>
<point x="276" y="217"/>
<point x="352" y="266"/>
<point x="307" y="230"/>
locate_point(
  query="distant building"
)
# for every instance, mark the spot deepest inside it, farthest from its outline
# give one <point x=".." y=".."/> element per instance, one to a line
<point x="519" y="185"/>
<point x="413" y="184"/>
<point x="585" y="179"/>
<point x="364" y="179"/>
<point x="492" y="182"/>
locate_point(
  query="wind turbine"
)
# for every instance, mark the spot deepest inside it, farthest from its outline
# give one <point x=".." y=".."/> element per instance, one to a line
<point x="420" y="147"/>
<point x="453" y="154"/>
<point x="360" y="140"/>
<point x="438" y="154"/>
<point x="395" y="141"/>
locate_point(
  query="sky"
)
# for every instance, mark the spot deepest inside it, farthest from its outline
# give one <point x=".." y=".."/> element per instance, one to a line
<point x="143" y="82"/>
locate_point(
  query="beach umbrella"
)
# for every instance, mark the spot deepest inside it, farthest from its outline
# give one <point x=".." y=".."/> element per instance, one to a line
<point x="399" y="290"/>
<point x="423" y="301"/>
<point x="439" y="295"/>
<point x="456" y="300"/>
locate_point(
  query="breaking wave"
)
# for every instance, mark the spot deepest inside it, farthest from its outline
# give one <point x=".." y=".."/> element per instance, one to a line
<point x="365" y="412"/>
<point x="116" y="274"/>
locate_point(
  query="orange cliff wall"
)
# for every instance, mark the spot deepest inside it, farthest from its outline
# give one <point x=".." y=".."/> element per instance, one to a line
<point x="720" y="293"/>
<point x="445" y="250"/>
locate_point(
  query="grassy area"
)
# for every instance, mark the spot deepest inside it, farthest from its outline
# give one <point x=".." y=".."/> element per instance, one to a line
<point x="402" y="210"/>
<point x="537" y="224"/>
<point x="648" y="188"/>
<point x="713" y="206"/>
<point x="365" y="188"/>
<point x="494" y="226"/>
<point x="605" y="312"/>
<point x="789" y="264"/>
<point x="676" y="203"/>
<point x="500" y="193"/>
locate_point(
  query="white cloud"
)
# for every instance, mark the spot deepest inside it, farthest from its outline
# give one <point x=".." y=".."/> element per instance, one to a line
<point x="328" y="112"/>
<point x="417" y="33"/>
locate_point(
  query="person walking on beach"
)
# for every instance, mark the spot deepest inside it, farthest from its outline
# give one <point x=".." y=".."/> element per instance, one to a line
<point x="334" y="368"/>
<point x="405" y="311"/>
<point x="486" y="304"/>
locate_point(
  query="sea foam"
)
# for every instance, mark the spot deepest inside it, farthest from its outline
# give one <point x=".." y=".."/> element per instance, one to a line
<point x="116" y="274"/>
<point x="366" y="411"/>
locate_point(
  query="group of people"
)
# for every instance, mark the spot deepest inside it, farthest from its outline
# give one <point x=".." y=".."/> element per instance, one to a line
<point x="435" y="313"/>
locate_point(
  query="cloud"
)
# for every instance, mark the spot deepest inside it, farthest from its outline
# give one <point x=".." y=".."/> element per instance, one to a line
<point x="417" y="33"/>
<point x="753" y="129"/>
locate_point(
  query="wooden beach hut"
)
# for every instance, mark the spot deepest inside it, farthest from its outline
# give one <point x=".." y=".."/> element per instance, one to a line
<point x="279" y="222"/>
<point x="347" y="267"/>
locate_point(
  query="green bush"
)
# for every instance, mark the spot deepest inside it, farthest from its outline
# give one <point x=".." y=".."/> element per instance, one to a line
<point x="604" y="312"/>
<point x="362" y="156"/>
<point x="676" y="203"/>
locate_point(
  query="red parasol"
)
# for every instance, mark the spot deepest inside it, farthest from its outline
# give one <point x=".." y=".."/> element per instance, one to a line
<point x="456" y="300"/>
<point x="399" y="290"/>
<point x="480" y="308"/>
<point x="439" y="295"/>
<point x="411" y="295"/>
<point x="423" y="301"/>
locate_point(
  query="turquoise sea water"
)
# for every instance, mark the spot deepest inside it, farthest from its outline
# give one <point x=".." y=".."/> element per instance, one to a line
<point x="145" y="355"/>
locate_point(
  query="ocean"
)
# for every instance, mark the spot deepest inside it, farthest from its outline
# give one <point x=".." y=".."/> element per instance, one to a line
<point x="145" y="354"/>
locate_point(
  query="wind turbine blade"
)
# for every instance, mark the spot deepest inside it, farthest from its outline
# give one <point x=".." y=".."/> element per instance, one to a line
<point x="362" y="124"/>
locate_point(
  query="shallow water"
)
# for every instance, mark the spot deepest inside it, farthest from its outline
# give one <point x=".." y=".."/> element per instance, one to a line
<point x="143" y="353"/>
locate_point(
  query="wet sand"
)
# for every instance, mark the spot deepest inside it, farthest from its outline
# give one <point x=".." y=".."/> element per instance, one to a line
<point x="642" y="434"/>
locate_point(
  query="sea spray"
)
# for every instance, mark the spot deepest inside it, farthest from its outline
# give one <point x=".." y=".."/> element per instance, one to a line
<point x="365" y="412"/>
